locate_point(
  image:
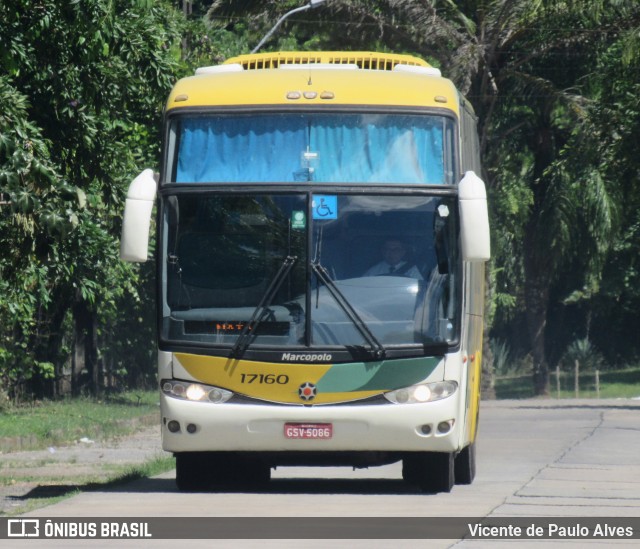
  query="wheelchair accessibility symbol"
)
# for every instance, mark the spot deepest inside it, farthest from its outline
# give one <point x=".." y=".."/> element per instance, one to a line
<point x="325" y="207"/>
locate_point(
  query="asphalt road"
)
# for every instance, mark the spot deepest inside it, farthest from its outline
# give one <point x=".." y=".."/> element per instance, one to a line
<point x="535" y="459"/>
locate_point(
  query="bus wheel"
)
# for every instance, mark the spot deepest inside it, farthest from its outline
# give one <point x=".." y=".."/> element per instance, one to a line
<point x="191" y="472"/>
<point x="212" y="471"/>
<point x="432" y="472"/>
<point x="230" y="470"/>
<point x="465" y="467"/>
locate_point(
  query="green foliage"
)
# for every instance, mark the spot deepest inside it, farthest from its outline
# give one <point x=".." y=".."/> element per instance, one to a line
<point x="82" y="92"/>
<point x="583" y="352"/>
<point x="37" y="206"/>
<point x="502" y="362"/>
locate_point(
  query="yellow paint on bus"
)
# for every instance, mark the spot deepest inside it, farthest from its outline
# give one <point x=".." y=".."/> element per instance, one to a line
<point x="315" y="85"/>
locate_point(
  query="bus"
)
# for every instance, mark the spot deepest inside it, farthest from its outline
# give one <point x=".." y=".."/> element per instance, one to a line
<point x="288" y="180"/>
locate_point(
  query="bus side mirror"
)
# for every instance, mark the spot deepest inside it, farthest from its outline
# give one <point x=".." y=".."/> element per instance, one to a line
<point x="474" y="219"/>
<point x="134" y="244"/>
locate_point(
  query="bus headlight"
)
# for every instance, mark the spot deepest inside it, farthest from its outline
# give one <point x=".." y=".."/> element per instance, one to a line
<point x="195" y="392"/>
<point x="423" y="392"/>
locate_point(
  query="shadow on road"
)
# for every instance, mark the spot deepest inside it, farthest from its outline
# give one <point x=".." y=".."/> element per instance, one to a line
<point x="310" y="486"/>
<point x="284" y="486"/>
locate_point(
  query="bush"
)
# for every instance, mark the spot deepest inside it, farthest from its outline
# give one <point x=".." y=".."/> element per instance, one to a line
<point x="583" y="351"/>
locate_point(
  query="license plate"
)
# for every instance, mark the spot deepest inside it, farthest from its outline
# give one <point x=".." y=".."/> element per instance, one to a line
<point x="308" y="430"/>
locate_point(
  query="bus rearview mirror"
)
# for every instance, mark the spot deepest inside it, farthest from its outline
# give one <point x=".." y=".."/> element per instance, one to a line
<point x="474" y="219"/>
<point x="134" y="243"/>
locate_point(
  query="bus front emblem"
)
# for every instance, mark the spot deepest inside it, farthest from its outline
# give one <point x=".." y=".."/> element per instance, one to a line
<point x="307" y="391"/>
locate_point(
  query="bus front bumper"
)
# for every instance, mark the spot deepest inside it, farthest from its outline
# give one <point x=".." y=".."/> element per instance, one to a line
<point x="205" y="427"/>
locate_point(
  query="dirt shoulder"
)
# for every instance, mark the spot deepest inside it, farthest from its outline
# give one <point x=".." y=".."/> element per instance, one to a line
<point x="29" y="477"/>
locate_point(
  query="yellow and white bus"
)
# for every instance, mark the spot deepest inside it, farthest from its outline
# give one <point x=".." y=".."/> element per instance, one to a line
<point x="292" y="184"/>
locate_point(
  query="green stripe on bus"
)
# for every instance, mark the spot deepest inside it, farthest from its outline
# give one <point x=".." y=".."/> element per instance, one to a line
<point x="385" y="375"/>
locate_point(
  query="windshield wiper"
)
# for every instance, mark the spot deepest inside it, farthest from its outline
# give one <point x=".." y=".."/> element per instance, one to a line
<point x="262" y="310"/>
<point x="377" y="349"/>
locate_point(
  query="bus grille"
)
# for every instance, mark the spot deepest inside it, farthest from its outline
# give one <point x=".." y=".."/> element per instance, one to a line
<point x="363" y="60"/>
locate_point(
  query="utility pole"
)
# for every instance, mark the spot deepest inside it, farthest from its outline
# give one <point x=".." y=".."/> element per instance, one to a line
<point x="312" y="4"/>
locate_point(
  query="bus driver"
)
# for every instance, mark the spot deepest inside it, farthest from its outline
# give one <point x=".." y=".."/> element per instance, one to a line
<point x="395" y="261"/>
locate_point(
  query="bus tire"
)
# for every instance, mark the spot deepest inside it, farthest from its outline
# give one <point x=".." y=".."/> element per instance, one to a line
<point x="191" y="471"/>
<point x="465" y="466"/>
<point x="214" y="471"/>
<point x="432" y="472"/>
<point x="246" y="469"/>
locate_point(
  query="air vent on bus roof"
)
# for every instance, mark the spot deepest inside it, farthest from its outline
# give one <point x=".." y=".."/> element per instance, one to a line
<point x="363" y="60"/>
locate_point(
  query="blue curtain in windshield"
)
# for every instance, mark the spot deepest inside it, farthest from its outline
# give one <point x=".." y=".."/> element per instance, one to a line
<point x="378" y="149"/>
<point x="228" y="149"/>
<point x="319" y="148"/>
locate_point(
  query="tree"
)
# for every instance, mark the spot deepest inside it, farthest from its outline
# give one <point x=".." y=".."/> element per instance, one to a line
<point x="92" y="77"/>
<point x="36" y="207"/>
<point x="612" y="310"/>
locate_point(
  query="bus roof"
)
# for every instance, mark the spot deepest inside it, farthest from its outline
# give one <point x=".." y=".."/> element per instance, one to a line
<point x="317" y="79"/>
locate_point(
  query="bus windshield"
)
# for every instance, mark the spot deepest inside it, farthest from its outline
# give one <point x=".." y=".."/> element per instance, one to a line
<point x="311" y="147"/>
<point x="310" y="271"/>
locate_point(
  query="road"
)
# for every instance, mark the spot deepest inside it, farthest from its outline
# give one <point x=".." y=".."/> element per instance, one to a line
<point x="535" y="459"/>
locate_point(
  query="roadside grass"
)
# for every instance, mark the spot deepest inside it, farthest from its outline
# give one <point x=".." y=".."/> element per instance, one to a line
<point x="613" y="384"/>
<point x="57" y="422"/>
<point x="120" y="475"/>
<point x="16" y="472"/>
<point x="48" y="423"/>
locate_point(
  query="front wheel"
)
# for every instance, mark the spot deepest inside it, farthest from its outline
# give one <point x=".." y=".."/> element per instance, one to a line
<point x="202" y="471"/>
<point x="465" y="467"/>
<point x="192" y="471"/>
<point x="432" y="472"/>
